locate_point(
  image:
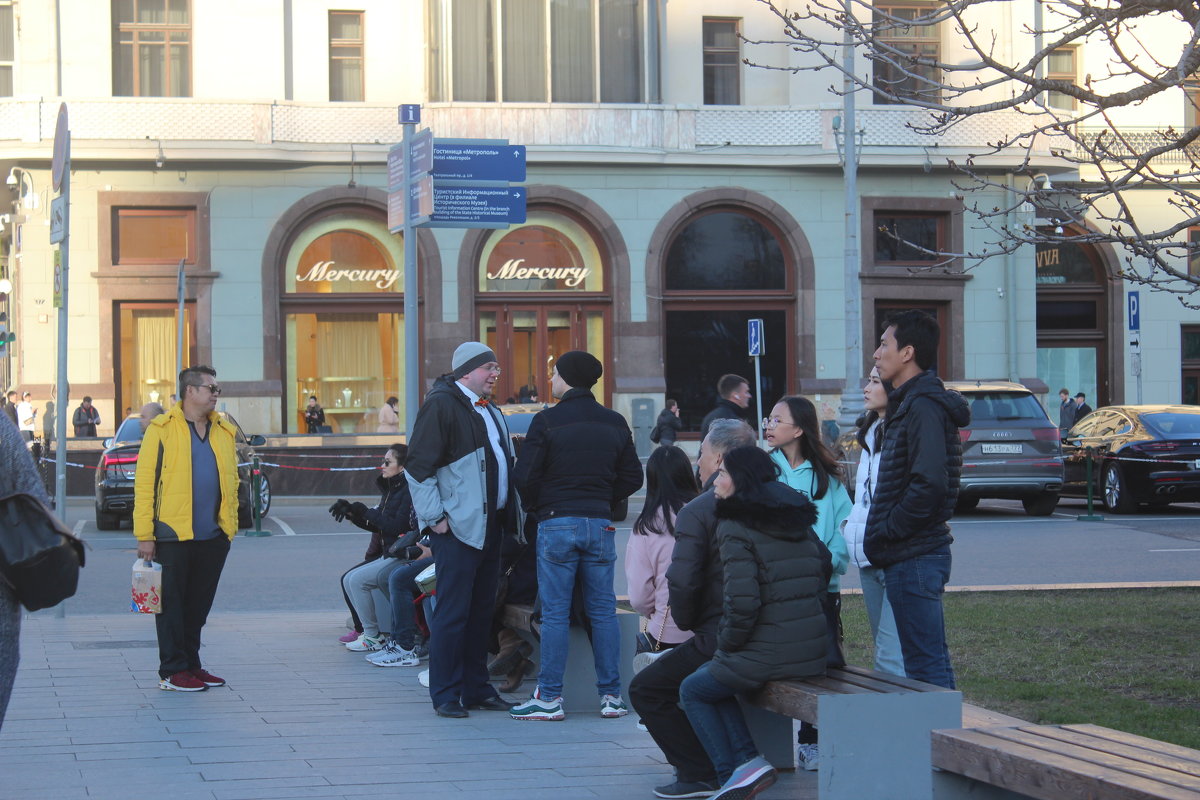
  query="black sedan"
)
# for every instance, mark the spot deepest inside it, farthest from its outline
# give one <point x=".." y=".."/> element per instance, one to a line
<point x="1140" y="454"/>
<point x="118" y="463"/>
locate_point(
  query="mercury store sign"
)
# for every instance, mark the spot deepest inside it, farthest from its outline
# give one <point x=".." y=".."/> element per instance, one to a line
<point x="330" y="272"/>
<point x="514" y="269"/>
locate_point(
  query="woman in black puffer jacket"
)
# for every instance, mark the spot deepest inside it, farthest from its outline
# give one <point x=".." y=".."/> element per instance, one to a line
<point x="772" y="627"/>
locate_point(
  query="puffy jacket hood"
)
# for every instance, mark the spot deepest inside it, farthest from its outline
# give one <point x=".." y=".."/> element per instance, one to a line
<point x="781" y="512"/>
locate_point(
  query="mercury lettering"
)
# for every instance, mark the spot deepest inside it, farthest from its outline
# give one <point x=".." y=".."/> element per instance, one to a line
<point x="512" y="270"/>
<point x="326" y="271"/>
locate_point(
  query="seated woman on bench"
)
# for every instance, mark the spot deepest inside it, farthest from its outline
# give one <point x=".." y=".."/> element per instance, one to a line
<point x="772" y="627"/>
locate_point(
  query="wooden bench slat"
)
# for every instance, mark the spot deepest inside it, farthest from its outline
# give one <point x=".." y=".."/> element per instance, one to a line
<point x="991" y="758"/>
<point x="1133" y="740"/>
<point x="979" y="717"/>
<point x="899" y="682"/>
<point x="1148" y="755"/>
<point x="778" y="697"/>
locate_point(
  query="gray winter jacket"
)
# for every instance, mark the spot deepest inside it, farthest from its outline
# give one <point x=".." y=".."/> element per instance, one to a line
<point x="446" y="466"/>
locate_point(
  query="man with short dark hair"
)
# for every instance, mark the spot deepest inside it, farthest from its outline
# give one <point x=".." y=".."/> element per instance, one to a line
<point x="920" y="466"/>
<point x="459" y="460"/>
<point x="185" y="516"/>
<point x="733" y="402"/>
<point x="1066" y="411"/>
<point x="86" y="418"/>
<point x="695" y="582"/>
<point x="1082" y="409"/>
<point x="578" y="460"/>
<point x="10" y="408"/>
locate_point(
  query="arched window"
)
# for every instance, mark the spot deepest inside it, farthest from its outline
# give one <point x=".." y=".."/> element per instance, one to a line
<point x="723" y="267"/>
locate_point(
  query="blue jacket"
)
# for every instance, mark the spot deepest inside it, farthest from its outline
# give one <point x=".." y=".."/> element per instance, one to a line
<point x="832" y="510"/>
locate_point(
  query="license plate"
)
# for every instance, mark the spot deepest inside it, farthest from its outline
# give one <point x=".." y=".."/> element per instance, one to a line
<point x="1001" y="448"/>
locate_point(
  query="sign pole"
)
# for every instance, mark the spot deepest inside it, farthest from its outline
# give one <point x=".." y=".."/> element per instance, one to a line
<point x="179" y="323"/>
<point x="412" y="355"/>
<point x="62" y="148"/>
<point x="758" y="396"/>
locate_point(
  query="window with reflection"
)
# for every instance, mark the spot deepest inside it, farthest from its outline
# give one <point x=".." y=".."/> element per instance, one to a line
<point x="903" y="239"/>
<point x="152" y="48"/>
<point x="723" y="268"/>
<point x="514" y="51"/>
<point x="153" y="235"/>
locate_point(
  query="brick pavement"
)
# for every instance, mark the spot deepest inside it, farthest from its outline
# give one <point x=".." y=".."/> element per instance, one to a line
<point x="301" y="718"/>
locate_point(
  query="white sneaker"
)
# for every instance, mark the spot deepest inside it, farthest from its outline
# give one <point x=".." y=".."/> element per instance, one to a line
<point x="366" y="643"/>
<point x="808" y="757"/>
<point x="394" y="656"/>
<point x="611" y="705"/>
<point x="423" y="678"/>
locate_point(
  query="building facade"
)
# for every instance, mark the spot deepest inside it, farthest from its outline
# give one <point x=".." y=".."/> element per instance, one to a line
<point x="673" y="193"/>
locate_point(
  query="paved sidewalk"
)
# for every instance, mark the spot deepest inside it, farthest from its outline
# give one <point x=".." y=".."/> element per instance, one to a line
<point x="301" y="718"/>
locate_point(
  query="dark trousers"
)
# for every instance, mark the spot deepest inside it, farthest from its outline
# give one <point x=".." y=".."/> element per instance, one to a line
<point x="462" y="617"/>
<point x="191" y="571"/>
<point x="654" y="693"/>
<point x="346" y="596"/>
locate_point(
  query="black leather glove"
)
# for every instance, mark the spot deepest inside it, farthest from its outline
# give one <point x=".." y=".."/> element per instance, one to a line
<point x="357" y="510"/>
<point x="340" y="509"/>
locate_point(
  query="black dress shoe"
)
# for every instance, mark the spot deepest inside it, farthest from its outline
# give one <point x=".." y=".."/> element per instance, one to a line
<point x="453" y="710"/>
<point x="493" y="703"/>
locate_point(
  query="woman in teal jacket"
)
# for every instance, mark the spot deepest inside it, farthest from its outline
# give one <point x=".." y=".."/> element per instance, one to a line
<point x="807" y="465"/>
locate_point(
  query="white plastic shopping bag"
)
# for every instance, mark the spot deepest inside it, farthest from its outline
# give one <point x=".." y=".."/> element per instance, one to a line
<point x="147" y="587"/>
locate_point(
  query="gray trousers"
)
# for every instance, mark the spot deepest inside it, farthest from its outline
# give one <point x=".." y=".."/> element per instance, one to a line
<point x="10" y="635"/>
<point x="367" y="588"/>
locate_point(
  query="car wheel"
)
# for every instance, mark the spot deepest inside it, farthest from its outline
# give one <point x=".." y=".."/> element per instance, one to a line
<point x="107" y="522"/>
<point x="1116" y="493"/>
<point x="1041" y="506"/>
<point x="264" y="495"/>
<point x="966" y="503"/>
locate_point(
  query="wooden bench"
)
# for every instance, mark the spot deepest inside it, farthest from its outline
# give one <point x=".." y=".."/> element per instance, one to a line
<point x="1061" y="762"/>
<point x="579" y="676"/>
<point x="875" y="730"/>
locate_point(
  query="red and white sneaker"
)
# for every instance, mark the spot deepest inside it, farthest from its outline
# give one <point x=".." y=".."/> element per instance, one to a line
<point x="207" y="678"/>
<point x="182" y="682"/>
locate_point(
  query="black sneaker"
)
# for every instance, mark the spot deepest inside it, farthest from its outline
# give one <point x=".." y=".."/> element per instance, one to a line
<point x="685" y="789"/>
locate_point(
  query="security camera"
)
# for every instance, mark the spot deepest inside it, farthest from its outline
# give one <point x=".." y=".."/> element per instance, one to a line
<point x="1043" y="181"/>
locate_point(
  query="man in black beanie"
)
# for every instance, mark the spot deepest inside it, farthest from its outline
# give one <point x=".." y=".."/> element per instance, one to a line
<point x="577" y="461"/>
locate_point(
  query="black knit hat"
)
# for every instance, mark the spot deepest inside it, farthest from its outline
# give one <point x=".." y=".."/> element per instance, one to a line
<point x="579" y="369"/>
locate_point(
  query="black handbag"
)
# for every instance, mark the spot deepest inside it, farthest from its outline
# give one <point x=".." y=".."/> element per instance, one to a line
<point x="39" y="558"/>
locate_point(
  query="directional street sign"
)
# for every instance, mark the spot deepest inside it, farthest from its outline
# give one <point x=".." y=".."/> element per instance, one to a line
<point x="58" y="219"/>
<point x="420" y="204"/>
<point x="477" y="206"/>
<point x="420" y="157"/>
<point x="456" y="160"/>
<point x="754" y="336"/>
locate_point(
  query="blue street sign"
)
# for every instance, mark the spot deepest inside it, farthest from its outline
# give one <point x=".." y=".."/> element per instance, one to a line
<point x="1135" y="312"/>
<point x="755" y="338"/>
<point x="420" y="204"/>
<point x="466" y="206"/>
<point x="455" y="160"/>
<point x="420" y="153"/>
<point x="410" y="114"/>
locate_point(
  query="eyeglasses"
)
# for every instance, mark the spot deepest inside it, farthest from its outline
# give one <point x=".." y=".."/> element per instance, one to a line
<point x="212" y="387"/>
<point x="387" y="462"/>
<point x="770" y="423"/>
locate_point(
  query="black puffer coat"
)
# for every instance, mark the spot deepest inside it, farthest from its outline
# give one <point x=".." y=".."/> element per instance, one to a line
<point x="773" y="627"/>
<point x="389" y="520"/>
<point x="919" y="472"/>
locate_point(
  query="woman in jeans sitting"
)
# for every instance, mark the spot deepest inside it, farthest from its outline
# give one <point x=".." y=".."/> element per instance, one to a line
<point x="772" y="627"/>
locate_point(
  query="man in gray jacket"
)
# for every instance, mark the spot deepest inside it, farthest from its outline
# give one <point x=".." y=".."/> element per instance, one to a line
<point x="459" y="459"/>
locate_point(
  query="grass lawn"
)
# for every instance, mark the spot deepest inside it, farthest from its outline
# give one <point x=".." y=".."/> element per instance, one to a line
<point x="1123" y="658"/>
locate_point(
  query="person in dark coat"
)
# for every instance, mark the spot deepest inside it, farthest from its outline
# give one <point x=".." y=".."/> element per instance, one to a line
<point x="578" y="460"/>
<point x="772" y="626"/>
<point x="669" y="424"/>
<point x="734" y="402"/>
<point x="314" y="415"/>
<point x="86" y="418"/>
<point x="907" y="535"/>
<point x="1082" y="409"/>
<point x="1066" y="411"/>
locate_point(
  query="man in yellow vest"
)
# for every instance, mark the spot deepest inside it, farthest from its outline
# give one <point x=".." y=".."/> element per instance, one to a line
<point x="185" y="516"/>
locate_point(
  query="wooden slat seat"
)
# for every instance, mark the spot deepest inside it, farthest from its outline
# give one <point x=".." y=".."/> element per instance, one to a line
<point x="1069" y="762"/>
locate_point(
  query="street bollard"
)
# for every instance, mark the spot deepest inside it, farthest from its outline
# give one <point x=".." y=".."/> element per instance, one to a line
<point x="1089" y="516"/>
<point x="256" y="497"/>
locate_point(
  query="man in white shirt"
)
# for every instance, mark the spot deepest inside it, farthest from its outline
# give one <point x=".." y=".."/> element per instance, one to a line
<point x="26" y="417"/>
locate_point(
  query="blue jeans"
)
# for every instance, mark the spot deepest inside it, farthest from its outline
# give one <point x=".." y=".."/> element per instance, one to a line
<point x="888" y="657"/>
<point x="570" y="549"/>
<point x="400" y="594"/>
<point x="914" y="588"/>
<point x="717" y="719"/>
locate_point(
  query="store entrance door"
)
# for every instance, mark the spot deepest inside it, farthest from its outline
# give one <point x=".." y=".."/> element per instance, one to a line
<point x="528" y="340"/>
<point x="147" y="343"/>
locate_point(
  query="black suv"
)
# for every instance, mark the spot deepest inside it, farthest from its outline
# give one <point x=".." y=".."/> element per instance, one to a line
<point x="118" y="463"/>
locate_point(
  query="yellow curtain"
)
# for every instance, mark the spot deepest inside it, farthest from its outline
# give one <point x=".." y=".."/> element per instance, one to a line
<point x="347" y="345"/>
<point x="154" y="356"/>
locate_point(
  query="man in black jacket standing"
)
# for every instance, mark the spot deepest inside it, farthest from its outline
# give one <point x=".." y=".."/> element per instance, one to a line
<point x="577" y="461"/>
<point x="733" y="403"/>
<point x="695" y="580"/>
<point x="921" y="463"/>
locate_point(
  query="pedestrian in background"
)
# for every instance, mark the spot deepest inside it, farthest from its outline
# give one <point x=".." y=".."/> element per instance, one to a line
<point x="17" y="475"/>
<point x="10" y="407"/>
<point x="185" y="516"/>
<point x="27" y="417"/>
<point x="668" y="426"/>
<point x="314" y="415"/>
<point x="389" y="420"/>
<point x="459" y="461"/>
<point x="577" y="461"/>
<point x="733" y="402"/>
<point x="907" y="534"/>
<point x="772" y="626"/>
<point x="1066" y="411"/>
<point x="1082" y="409"/>
<point x="86" y="418"/>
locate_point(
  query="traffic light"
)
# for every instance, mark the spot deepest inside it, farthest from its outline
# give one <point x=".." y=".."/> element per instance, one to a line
<point x="5" y="335"/>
